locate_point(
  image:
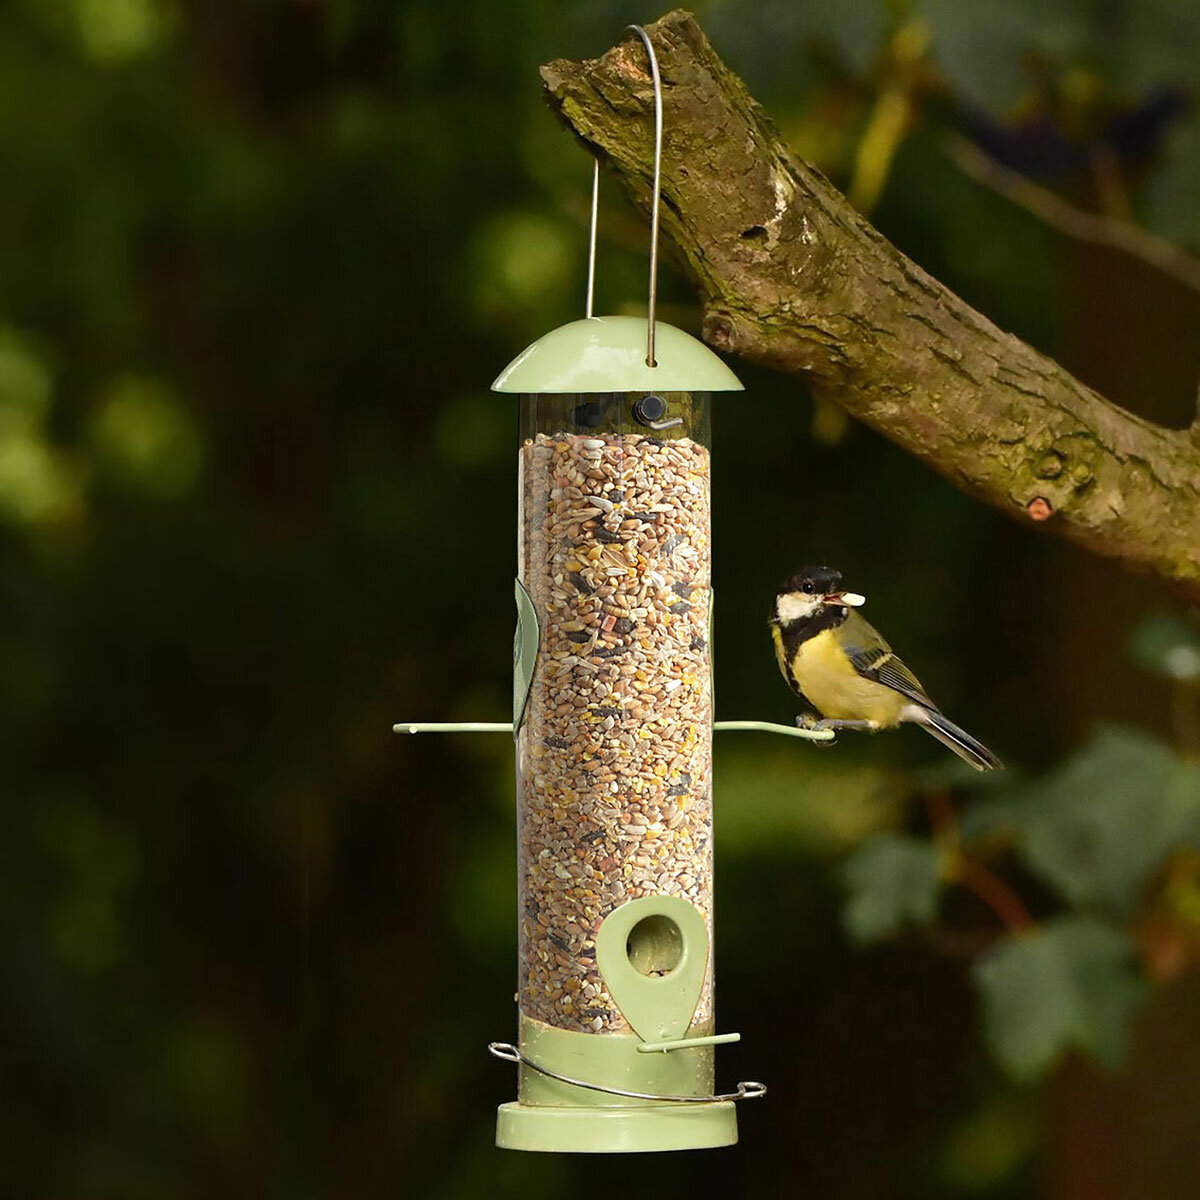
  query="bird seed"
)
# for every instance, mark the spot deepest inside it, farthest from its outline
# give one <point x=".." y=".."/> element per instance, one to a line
<point x="614" y="753"/>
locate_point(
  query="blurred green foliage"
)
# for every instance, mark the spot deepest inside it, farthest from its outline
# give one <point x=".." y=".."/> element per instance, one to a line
<point x="1100" y="832"/>
<point x="1073" y="983"/>
<point x="1099" y="827"/>
<point x="892" y="880"/>
<point x="259" y="262"/>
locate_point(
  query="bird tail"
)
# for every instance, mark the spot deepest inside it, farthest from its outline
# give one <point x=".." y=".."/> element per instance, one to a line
<point x="958" y="740"/>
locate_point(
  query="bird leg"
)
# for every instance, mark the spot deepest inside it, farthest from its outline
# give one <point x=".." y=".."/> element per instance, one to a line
<point x="812" y="721"/>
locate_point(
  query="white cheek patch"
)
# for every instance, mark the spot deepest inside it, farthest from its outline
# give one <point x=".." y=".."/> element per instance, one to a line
<point x="795" y="607"/>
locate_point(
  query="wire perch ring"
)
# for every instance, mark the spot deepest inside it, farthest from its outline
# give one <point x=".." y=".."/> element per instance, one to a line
<point x="748" y="1090"/>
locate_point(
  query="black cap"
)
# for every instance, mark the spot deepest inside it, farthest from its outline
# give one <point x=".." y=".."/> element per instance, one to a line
<point x="815" y="581"/>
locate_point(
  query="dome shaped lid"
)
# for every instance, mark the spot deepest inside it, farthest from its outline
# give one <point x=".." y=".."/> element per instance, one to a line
<point x="608" y="354"/>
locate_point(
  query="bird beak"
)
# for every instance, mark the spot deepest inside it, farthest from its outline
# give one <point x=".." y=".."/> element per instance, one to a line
<point x="853" y="599"/>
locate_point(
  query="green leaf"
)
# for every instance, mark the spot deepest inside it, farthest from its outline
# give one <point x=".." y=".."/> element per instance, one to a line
<point x="1099" y="826"/>
<point x="1166" y="645"/>
<point x="1072" y="984"/>
<point x="893" y="880"/>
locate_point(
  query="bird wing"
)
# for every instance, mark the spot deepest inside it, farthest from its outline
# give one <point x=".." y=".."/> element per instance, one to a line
<point x="874" y="659"/>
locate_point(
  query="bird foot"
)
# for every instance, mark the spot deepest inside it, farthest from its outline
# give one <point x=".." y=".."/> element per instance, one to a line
<point x="813" y="722"/>
<point x="832" y="724"/>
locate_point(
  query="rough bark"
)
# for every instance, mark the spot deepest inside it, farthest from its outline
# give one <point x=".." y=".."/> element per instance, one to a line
<point x="792" y="277"/>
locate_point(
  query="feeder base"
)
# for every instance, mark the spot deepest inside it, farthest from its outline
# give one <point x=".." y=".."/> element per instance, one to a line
<point x="616" y="1130"/>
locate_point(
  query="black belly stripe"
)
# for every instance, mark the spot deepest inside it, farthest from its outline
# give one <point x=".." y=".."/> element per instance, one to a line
<point x="793" y="638"/>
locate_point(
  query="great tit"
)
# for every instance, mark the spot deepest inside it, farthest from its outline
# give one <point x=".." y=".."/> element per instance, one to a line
<point x="841" y="665"/>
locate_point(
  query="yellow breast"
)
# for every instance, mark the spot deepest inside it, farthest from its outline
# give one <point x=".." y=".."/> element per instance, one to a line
<point x="826" y="676"/>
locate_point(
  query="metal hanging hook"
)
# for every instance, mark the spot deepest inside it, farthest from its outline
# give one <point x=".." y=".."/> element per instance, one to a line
<point x="658" y="127"/>
<point x="591" y="271"/>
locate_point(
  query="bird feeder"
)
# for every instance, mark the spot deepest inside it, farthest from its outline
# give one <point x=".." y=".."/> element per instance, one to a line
<point x="613" y="724"/>
<point x="612" y="715"/>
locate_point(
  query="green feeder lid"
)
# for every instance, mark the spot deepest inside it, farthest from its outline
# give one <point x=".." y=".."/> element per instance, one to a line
<point x="608" y="354"/>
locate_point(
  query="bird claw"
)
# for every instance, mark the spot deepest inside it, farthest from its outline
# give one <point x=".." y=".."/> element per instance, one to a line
<point x="816" y="725"/>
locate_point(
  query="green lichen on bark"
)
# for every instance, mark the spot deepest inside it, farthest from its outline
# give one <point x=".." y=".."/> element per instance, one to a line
<point x="793" y="278"/>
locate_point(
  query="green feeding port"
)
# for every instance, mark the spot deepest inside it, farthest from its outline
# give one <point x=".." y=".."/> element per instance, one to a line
<point x="613" y="729"/>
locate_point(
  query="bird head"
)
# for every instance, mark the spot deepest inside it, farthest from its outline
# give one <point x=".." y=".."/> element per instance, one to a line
<point x="809" y="591"/>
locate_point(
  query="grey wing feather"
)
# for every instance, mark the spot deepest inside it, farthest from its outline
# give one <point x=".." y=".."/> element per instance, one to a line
<point x="874" y="659"/>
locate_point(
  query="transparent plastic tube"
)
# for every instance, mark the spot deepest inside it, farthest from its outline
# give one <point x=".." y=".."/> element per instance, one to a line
<point x="614" y="752"/>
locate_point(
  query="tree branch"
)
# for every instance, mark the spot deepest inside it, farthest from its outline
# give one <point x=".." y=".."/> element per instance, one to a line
<point x="792" y="277"/>
<point x="1101" y="229"/>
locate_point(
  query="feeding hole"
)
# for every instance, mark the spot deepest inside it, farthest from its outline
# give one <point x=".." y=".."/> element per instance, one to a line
<point x="655" y="946"/>
<point x="589" y="414"/>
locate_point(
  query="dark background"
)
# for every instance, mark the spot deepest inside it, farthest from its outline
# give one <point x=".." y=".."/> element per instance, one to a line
<point x="259" y="263"/>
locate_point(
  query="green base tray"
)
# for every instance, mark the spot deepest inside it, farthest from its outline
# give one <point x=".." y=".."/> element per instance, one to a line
<point x="616" y="1130"/>
<point x="620" y="1109"/>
